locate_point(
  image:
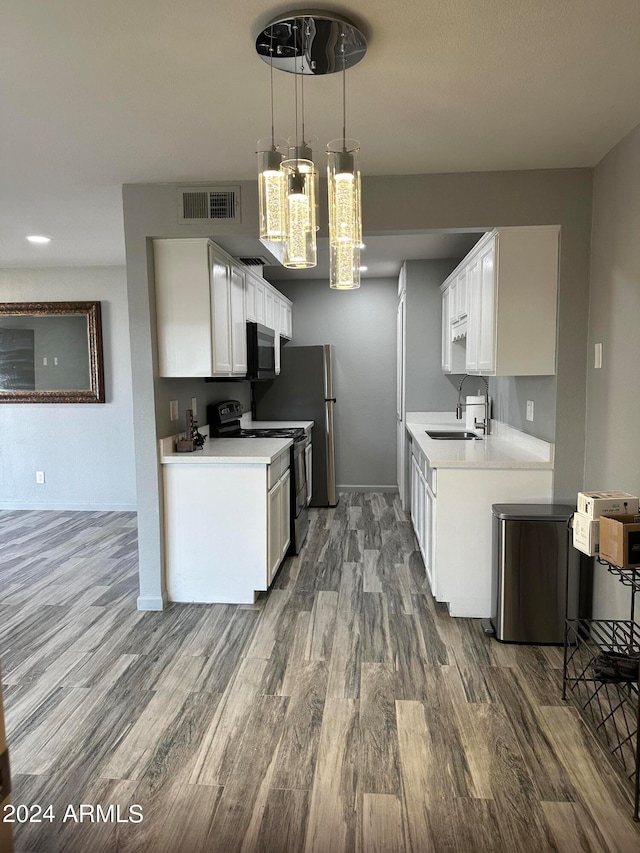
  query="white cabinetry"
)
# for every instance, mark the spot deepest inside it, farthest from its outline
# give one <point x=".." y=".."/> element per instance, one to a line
<point x="452" y="520"/>
<point x="200" y="310"/>
<point x="278" y="524"/>
<point x="227" y="528"/>
<point x="423" y="509"/>
<point x="508" y="285"/>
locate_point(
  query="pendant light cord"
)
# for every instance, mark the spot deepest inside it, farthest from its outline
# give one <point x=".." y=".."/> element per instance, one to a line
<point x="344" y="97"/>
<point x="295" y="77"/>
<point x="302" y="44"/>
<point x="273" y="135"/>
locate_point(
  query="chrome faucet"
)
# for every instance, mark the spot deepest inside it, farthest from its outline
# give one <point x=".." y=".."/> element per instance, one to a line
<point x="486" y="423"/>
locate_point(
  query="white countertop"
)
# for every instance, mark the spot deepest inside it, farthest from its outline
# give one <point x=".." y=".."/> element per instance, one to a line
<point x="235" y="451"/>
<point x="505" y="447"/>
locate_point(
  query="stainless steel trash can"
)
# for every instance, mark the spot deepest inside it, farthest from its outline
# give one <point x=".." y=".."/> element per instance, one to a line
<point x="529" y="572"/>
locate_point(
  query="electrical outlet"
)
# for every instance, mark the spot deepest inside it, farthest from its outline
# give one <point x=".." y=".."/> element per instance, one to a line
<point x="55" y="360"/>
<point x="44" y="361"/>
<point x="597" y="356"/>
<point x="40" y="477"/>
<point x="194" y="407"/>
<point x="529" y="410"/>
<point x="173" y="410"/>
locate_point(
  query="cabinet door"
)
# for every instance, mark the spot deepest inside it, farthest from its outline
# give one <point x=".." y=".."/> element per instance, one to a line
<point x="269" y="310"/>
<point x="220" y="314"/>
<point x="487" y="337"/>
<point x="473" y="320"/>
<point x="261" y="290"/>
<point x="308" y="461"/>
<point x="285" y="320"/>
<point x="250" y="297"/>
<point x="285" y="513"/>
<point x="461" y="295"/>
<point x="274" y="530"/>
<point x="400" y="357"/>
<point x="446" y="331"/>
<point x="415" y="480"/>
<point x="429" y="535"/>
<point x="238" y="324"/>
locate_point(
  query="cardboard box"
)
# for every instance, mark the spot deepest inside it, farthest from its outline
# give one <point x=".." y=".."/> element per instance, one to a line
<point x="620" y="540"/>
<point x="586" y="534"/>
<point x="595" y="504"/>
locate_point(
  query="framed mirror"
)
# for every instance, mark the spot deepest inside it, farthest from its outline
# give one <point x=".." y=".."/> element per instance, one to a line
<point x="51" y="352"/>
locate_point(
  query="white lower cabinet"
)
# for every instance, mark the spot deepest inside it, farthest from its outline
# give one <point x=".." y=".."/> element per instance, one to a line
<point x="423" y="513"/>
<point x="227" y="528"/>
<point x="453" y="523"/>
<point x="278" y="524"/>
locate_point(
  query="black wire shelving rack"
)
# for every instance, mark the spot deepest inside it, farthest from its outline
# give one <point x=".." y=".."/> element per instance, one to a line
<point x="610" y="705"/>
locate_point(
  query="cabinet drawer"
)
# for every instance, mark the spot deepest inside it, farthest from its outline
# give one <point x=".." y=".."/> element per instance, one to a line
<point x="277" y="469"/>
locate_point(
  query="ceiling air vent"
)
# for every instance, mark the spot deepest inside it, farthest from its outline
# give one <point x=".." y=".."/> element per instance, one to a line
<point x="203" y="204"/>
<point x="254" y="262"/>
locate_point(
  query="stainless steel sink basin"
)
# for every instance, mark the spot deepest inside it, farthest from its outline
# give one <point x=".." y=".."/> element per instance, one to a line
<point x="453" y="435"/>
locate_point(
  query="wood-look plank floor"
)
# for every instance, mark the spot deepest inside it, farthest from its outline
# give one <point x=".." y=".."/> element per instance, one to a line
<point x="344" y="711"/>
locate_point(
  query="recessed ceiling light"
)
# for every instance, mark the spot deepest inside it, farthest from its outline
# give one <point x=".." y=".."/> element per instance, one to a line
<point x="37" y="238"/>
<point x="362" y="246"/>
<point x="363" y="269"/>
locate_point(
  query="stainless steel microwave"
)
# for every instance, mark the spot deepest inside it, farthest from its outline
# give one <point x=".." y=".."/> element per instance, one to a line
<point x="261" y="351"/>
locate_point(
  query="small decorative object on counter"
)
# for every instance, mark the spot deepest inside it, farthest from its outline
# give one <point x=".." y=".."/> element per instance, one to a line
<point x="193" y="440"/>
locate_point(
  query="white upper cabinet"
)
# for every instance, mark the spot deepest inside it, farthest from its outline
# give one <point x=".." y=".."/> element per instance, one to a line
<point x="508" y="286"/>
<point x="238" y="323"/>
<point x="203" y="301"/>
<point x="193" y="308"/>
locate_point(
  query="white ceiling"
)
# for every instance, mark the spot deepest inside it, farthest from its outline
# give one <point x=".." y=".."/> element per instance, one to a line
<point x="97" y="94"/>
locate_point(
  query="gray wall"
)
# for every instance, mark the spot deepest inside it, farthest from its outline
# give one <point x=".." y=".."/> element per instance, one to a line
<point x="391" y="204"/>
<point x="510" y="395"/>
<point x="361" y="324"/>
<point x="427" y="388"/>
<point x="612" y="460"/>
<point x="85" y="450"/>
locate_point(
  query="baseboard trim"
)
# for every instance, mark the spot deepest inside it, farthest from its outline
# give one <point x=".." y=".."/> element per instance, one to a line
<point x="367" y="488"/>
<point x="152" y="602"/>
<point x="66" y="506"/>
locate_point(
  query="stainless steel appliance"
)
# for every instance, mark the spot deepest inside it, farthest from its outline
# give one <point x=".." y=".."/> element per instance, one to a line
<point x="261" y="351"/>
<point x="304" y="391"/>
<point x="224" y="422"/>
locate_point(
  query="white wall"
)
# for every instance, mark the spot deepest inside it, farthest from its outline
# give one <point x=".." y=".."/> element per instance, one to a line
<point x="85" y="450"/>
<point x="612" y="460"/>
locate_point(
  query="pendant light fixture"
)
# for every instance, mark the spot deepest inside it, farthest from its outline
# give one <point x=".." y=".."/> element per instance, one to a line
<point x="271" y="176"/>
<point x="345" y="211"/>
<point x="312" y="43"/>
<point x="301" y="179"/>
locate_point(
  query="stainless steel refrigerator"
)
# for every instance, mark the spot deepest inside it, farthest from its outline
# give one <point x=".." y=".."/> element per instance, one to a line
<point x="304" y="392"/>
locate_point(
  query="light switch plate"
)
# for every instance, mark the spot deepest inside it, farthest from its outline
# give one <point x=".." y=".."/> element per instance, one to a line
<point x="597" y="356"/>
<point x="194" y="407"/>
<point x="173" y="410"/>
<point x="529" y="410"/>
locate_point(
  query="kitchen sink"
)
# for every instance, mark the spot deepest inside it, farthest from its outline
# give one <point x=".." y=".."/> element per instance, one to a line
<point x="453" y="435"/>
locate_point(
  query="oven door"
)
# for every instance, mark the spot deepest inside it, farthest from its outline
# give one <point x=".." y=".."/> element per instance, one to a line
<point x="261" y="352"/>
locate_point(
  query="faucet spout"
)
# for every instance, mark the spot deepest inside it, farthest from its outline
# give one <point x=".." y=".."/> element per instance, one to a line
<point x="486" y="423"/>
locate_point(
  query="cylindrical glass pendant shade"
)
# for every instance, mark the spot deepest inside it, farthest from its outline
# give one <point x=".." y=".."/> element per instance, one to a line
<point x="271" y="185"/>
<point x="299" y="246"/>
<point x="345" y="214"/>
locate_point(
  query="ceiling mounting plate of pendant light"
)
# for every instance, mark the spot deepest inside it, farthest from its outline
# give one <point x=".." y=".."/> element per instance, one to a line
<point x="310" y="42"/>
